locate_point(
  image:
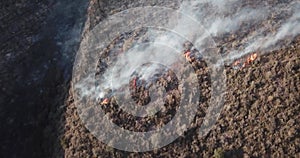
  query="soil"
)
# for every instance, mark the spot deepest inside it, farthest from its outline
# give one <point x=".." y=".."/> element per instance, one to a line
<point x="260" y="116"/>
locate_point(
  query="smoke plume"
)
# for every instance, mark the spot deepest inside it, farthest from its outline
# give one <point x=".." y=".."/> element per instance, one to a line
<point x="257" y="27"/>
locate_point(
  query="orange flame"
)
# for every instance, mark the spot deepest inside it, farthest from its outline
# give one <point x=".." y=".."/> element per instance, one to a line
<point x="188" y="55"/>
<point x="105" y="101"/>
<point x="236" y="63"/>
<point x="246" y="62"/>
<point x="250" y="59"/>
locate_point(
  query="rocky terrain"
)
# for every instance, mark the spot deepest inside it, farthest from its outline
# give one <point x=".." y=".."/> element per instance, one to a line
<point x="39" y="118"/>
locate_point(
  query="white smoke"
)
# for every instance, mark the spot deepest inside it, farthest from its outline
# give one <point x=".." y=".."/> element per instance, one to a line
<point x="218" y="17"/>
<point x="263" y="41"/>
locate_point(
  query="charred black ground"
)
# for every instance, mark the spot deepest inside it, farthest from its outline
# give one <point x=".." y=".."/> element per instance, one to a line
<point x="35" y="71"/>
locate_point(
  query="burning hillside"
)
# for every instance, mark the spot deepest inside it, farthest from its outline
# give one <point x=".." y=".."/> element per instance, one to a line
<point x="151" y="84"/>
<point x="151" y="78"/>
<point x="140" y="68"/>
